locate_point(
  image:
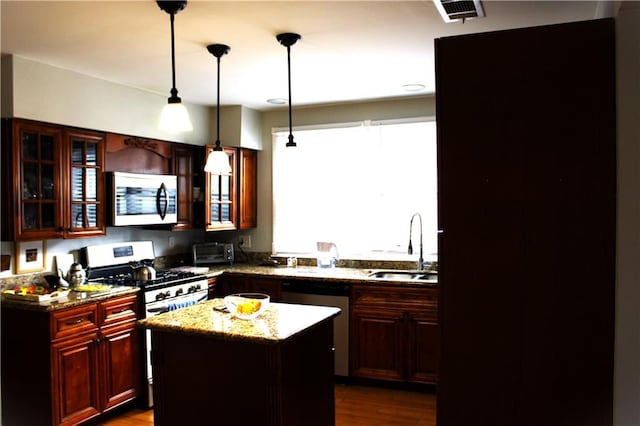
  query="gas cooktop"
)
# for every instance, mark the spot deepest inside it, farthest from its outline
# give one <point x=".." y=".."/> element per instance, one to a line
<point x="163" y="279"/>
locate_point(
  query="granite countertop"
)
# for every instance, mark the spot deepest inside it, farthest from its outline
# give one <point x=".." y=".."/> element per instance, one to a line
<point x="349" y="275"/>
<point x="277" y="323"/>
<point x="73" y="299"/>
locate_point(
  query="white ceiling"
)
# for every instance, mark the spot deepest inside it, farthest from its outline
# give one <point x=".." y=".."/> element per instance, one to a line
<point x="349" y="51"/>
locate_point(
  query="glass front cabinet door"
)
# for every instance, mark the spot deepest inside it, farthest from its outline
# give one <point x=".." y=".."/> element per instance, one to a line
<point x="220" y="200"/>
<point x="38" y="175"/>
<point x="85" y="195"/>
<point x="55" y="182"/>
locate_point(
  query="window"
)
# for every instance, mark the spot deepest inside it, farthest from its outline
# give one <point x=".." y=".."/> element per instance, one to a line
<point x="358" y="186"/>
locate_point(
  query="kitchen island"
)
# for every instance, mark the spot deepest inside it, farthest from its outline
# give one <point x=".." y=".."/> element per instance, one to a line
<point x="211" y="368"/>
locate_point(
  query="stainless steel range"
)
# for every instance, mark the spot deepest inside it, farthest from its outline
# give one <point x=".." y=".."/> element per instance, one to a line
<point x="169" y="290"/>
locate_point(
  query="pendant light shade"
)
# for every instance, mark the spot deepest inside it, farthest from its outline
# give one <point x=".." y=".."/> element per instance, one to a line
<point x="174" y="117"/>
<point x="218" y="163"/>
<point x="217" y="160"/>
<point x="288" y="40"/>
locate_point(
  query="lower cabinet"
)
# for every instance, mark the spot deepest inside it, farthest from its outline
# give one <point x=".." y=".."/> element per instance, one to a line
<point x="394" y="333"/>
<point x="230" y="283"/>
<point x="211" y="287"/>
<point x="75" y="378"/>
<point x="66" y="366"/>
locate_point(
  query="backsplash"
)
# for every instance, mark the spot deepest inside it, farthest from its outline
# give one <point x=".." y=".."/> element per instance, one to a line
<point x="170" y="261"/>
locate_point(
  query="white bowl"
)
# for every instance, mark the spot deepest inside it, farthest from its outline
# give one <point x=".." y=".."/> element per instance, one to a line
<point x="247" y="306"/>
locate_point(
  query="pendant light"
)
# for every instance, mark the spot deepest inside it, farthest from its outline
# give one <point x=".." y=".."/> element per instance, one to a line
<point x="218" y="160"/>
<point x="288" y="40"/>
<point x="174" y="117"/>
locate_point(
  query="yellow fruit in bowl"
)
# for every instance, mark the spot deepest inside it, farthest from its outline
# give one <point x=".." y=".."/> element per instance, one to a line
<point x="249" y="307"/>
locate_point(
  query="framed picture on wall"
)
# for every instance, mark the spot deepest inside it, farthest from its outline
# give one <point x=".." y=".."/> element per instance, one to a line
<point x="30" y="256"/>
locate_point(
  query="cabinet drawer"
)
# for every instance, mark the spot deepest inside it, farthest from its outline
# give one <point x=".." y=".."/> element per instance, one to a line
<point x="399" y="297"/>
<point x="119" y="310"/>
<point x="72" y="321"/>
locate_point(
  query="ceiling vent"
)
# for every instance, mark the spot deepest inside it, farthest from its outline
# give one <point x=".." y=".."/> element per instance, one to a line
<point x="459" y="10"/>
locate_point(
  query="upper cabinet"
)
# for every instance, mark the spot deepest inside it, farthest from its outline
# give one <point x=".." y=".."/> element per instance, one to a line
<point x="230" y="201"/>
<point x="85" y="194"/>
<point x="220" y="196"/>
<point x="248" y="188"/>
<point x="182" y="167"/>
<point x="53" y="178"/>
<point x="55" y="183"/>
<point x="137" y="155"/>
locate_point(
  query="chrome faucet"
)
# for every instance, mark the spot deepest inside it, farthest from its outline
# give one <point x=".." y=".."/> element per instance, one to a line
<point x="420" y="259"/>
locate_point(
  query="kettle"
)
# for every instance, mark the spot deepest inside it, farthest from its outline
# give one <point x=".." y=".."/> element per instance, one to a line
<point x="77" y="275"/>
<point x="143" y="272"/>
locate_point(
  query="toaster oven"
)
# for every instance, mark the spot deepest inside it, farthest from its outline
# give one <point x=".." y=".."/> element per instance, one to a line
<point x="212" y="253"/>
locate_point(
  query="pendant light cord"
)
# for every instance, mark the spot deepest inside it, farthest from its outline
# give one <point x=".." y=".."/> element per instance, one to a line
<point x="174" y="91"/>
<point x="291" y="142"/>
<point x="288" y="40"/>
<point x="218" y="109"/>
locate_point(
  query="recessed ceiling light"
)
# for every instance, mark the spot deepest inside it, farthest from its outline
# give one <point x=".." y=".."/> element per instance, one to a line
<point x="414" y="87"/>
<point x="277" y="101"/>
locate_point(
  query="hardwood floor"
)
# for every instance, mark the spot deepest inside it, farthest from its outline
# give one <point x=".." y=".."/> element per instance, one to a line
<point x="355" y="406"/>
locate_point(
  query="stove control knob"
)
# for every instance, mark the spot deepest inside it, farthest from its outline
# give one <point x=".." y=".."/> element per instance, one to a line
<point x="179" y="292"/>
<point x="163" y="295"/>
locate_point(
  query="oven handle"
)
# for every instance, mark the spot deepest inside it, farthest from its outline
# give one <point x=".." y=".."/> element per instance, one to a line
<point x="173" y="305"/>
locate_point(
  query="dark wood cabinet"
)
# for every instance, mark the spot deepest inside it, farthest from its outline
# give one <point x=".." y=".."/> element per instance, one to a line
<point x="220" y="196"/>
<point x="394" y="333"/>
<point x="53" y="179"/>
<point x="527" y="210"/>
<point x="248" y="188"/>
<point x="120" y="352"/>
<point x="76" y="362"/>
<point x="231" y="201"/>
<point x="182" y="167"/>
<point x="75" y="372"/>
<point x="229" y="283"/>
<point x="84" y="197"/>
<point x="137" y="155"/>
<point x="247" y="381"/>
<point x="212" y="283"/>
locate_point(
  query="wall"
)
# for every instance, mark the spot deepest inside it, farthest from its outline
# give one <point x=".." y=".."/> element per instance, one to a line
<point x="79" y="100"/>
<point x="239" y="126"/>
<point x="627" y="343"/>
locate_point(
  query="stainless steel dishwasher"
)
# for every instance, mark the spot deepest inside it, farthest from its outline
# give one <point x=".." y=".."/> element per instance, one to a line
<point x="325" y="293"/>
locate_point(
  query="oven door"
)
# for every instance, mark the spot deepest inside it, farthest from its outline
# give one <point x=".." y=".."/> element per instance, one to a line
<point x="139" y="199"/>
<point x="157" y="308"/>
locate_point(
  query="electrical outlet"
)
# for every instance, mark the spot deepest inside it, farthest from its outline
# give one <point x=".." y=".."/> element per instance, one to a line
<point x="244" y="241"/>
<point x="172" y="242"/>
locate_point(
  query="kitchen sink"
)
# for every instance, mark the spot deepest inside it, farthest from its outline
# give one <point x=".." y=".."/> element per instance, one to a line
<point x="405" y="275"/>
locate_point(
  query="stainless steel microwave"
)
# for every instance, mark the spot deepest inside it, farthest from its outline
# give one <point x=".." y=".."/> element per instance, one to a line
<point x="143" y="199"/>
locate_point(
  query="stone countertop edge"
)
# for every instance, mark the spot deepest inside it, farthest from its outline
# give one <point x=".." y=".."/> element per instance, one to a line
<point x="279" y="322"/>
<point x="73" y="300"/>
<point x="349" y="275"/>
